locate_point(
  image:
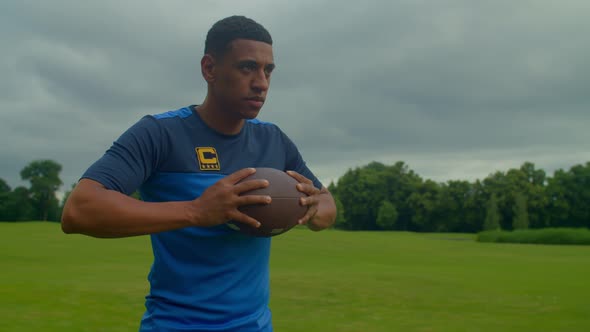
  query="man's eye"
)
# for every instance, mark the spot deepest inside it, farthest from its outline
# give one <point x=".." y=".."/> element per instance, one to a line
<point x="268" y="70"/>
<point x="248" y="67"/>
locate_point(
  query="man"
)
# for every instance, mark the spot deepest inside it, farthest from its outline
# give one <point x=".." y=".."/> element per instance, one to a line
<point x="187" y="164"/>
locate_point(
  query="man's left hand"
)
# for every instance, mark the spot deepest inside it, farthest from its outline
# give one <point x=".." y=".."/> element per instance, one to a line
<point x="321" y="209"/>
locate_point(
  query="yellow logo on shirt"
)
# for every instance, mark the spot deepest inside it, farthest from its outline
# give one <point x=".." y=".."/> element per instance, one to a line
<point x="208" y="159"/>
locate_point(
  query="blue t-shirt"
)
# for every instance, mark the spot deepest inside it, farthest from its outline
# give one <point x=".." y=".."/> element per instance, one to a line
<point x="202" y="279"/>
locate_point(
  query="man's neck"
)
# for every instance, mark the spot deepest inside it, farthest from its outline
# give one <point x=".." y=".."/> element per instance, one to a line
<point x="219" y="119"/>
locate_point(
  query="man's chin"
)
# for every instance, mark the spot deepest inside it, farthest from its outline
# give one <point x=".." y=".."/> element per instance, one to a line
<point x="250" y="114"/>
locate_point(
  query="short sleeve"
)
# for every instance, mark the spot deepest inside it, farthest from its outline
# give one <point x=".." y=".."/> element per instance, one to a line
<point x="132" y="158"/>
<point x="296" y="163"/>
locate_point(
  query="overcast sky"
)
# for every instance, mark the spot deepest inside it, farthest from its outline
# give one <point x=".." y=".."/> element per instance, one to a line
<point x="456" y="89"/>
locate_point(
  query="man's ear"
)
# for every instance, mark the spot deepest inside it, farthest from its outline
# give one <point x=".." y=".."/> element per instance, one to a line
<point x="208" y="68"/>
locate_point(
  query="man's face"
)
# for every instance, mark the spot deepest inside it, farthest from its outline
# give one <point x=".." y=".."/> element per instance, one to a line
<point x="242" y="77"/>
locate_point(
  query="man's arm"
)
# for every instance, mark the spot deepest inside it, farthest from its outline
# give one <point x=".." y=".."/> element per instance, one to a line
<point x="321" y="212"/>
<point x="94" y="210"/>
<point x="326" y="212"/>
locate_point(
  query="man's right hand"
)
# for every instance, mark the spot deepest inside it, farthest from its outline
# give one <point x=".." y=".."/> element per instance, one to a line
<point x="219" y="203"/>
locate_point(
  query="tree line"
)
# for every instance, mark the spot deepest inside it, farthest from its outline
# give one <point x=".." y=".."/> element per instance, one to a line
<point x="39" y="200"/>
<point x="389" y="197"/>
<point x="393" y="197"/>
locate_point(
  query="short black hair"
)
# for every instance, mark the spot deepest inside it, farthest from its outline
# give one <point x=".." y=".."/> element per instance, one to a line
<point x="224" y="31"/>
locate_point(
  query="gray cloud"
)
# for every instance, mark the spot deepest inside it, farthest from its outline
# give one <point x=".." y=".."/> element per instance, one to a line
<point x="457" y="89"/>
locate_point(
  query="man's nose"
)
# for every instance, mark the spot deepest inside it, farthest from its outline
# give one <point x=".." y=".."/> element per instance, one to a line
<point x="261" y="81"/>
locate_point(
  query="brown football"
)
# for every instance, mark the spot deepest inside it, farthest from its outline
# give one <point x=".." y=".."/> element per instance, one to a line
<point x="282" y="213"/>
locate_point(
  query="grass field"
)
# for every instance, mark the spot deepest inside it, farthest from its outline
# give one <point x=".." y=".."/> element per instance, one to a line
<point x="327" y="281"/>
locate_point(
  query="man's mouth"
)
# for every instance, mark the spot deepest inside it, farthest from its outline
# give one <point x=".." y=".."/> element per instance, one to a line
<point x="255" y="102"/>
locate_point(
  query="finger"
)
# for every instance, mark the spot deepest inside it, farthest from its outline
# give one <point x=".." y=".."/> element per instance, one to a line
<point x="309" y="200"/>
<point x="239" y="175"/>
<point x="245" y="219"/>
<point x="299" y="177"/>
<point x="307" y="189"/>
<point x="250" y="185"/>
<point x="253" y="199"/>
<point x="308" y="215"/>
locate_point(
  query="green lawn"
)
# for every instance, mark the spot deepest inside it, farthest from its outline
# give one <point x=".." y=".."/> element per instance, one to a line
<point x="327" y="281"/>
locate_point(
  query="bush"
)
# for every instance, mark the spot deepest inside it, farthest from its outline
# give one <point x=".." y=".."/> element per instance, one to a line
<point x="538" y="236"/>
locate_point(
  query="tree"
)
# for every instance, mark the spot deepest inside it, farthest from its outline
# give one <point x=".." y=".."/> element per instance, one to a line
<point x="578" y="190"/>
<point x="332" y="188"/>
<point x="340" y="218"/>
<point x="14" y="205"/>
<point x="534" y="176"/>
<point x="17" y="205"/>
<point x="4" y="187"/>
<point x="400" y="183"/>
<point x="456" y="208"/>
<point x="535" y="190"/>
<point x="360" y="191"/>
<point x="558" y="207"/>
<point x="525" y="180"/>
<point x="568" y="194"/>
<point x="492" y="221"/>
<point x="4" y="199"/>
<point x="500" y="186"/>
<point x="520" y="218"/>
<point x="423" y="203"/>
<point x="476" y="200"/>
<point x="387" y="215"/>
<point x="44" y="178"/>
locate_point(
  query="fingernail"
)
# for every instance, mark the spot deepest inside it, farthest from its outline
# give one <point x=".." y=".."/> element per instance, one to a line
<point x="268" y="199"/>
